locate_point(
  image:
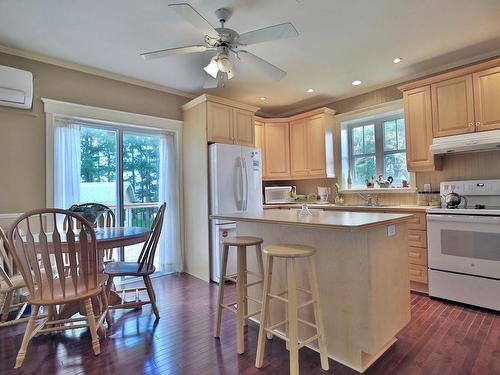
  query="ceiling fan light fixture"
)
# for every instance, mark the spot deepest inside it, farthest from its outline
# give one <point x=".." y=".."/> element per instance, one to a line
<point x="224" y="64"/>
<point x="212" y="68"/>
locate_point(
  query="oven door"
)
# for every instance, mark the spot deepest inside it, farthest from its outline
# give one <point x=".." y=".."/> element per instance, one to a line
<point x="464" y="244"/>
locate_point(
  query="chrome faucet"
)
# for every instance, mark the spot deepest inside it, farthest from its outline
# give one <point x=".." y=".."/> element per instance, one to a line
<point x="369" y="199"/>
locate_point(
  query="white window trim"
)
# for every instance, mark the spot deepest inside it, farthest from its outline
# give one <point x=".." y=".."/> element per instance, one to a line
<point x="55" y="108"/>
<point x="362" y="116"/>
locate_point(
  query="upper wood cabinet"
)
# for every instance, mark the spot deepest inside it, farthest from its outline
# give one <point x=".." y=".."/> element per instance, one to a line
<point x="464" y="100"/>
<point x="277" y="150"/>
<point x="243" y="127"/>
<point x="453" y="106"/>
<point x="227" y="121"/>
<point x="418" y="122"/>
<point x="316" y="146"/>
<point x="487" y="99"/>
<point x="220" y="123"/>
<point x="260" y="144"/>
<point x="297" y="147"/>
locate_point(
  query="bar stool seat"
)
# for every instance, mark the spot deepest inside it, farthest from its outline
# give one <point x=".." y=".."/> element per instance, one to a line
<point x="292" y="253"/>
<point x="243" y="241"/>
<point x="240" y="306"/>
<point x="289" y="251"/>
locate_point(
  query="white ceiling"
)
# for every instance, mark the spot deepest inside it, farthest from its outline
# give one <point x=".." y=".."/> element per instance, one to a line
<point x="339" y="41"/>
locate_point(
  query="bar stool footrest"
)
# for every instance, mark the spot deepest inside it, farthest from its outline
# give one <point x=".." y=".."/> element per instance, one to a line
<point x="229" y="306"/>
<point x="308" y="341"/>
<point x="307" y="303"/>
<point x="312" y="325"/>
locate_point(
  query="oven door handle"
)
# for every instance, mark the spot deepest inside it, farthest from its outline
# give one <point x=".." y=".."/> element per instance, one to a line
<point x="464" y="219"/>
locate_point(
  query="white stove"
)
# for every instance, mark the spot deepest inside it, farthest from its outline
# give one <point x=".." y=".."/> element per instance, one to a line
<point x="464" y="245"/>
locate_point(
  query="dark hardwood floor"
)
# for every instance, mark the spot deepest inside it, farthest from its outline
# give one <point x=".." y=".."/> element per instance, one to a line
<point x="442" y="338"/>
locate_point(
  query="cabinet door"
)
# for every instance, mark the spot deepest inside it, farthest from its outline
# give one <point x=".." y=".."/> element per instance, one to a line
<point x="316" y="149"/>
<point x="487" y="99"/>
<point x="277" y="150"/>
<point x="259" y="143"/>
<point x="452" y="107"/>
<point x="243" y="127"/>
<point x="418" y="123"/>
<point x="298" y="148"/>
<point x="219" y="123"/>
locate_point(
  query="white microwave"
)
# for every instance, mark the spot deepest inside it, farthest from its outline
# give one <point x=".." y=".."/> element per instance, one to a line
<point x="277" y="194"/>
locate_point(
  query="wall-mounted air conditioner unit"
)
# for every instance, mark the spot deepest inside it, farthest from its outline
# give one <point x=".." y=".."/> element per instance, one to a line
<point x="16" y="87"/>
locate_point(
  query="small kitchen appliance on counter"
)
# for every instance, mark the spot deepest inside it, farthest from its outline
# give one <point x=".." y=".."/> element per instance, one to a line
<point x="464" y="243"/>
<point x="277" y="194"/>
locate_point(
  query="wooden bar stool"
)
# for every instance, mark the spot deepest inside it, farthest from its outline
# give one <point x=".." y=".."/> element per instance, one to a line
<point x="290" y="253"/>
<point x="240" y="307"/>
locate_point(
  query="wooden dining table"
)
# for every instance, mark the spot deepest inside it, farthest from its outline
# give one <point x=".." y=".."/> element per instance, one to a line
<point x="109" y="238"/>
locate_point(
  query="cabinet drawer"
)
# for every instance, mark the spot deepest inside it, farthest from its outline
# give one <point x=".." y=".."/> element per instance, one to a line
<point x="418" y="222"/>
<point x="417" y="238"/>
<point x="417" y="255"/>
<point x="418" y="273"/>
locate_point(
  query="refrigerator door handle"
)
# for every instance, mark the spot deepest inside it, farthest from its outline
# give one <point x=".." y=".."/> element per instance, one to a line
<point x="245" y="185"/>
<point x="241" y="205"/>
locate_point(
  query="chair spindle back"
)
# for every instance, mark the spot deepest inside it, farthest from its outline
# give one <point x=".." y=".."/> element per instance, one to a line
<point x="39" y="255"/>
<point x="146" y="258"/>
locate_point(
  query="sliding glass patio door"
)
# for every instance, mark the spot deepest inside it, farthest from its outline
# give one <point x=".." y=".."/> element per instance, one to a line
<point x="129" y="170"/>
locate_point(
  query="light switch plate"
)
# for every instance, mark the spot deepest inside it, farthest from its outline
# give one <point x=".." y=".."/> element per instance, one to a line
<point x="391" y="230"/>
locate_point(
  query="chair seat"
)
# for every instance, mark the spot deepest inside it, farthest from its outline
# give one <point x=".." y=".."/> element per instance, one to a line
<point x="17" y="282"/>
<point x="126" y="269"/>
<point x="242" y="241"/>
<point x="70" y="295"/>
<point x="289" y="250"/>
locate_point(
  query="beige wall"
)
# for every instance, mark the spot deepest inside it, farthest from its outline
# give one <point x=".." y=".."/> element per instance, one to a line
<point x="22" y="133"/>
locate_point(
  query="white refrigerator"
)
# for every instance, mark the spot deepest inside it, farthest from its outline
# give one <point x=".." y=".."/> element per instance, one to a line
<point x="235" y="174"/>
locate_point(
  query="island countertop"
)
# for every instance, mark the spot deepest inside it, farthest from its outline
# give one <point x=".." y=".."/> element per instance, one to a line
<point x="337" y="220"/>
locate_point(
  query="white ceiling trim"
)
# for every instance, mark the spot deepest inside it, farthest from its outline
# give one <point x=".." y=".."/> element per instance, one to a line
<point x="90" y="70"/>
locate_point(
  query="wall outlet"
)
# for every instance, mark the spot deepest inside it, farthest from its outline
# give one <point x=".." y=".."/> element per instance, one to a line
<point x="391" y="230"/>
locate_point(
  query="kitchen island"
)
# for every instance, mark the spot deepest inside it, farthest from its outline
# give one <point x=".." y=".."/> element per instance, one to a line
<point x="362" y="262"/>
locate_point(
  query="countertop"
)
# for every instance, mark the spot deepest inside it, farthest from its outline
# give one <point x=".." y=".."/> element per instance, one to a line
<point x="339" y="207"/>
<point x="344" y="221"/>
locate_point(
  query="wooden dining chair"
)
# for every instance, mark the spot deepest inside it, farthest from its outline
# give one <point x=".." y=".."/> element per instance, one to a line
<point x="144" y="267"/>
<point x="38" y="254"/>
<point x="106" y="220"/>
<point x="11" y="282"/>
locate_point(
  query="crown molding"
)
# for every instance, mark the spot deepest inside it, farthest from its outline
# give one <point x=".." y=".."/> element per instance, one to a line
<point x="90" y="70"/>
<point x="217" y="99"/>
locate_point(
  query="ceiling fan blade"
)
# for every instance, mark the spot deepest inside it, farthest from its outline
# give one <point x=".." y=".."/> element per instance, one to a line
<point x="262" y="65"/>
<point x="173" y="51"/>
<point x="282" y="31"/>
<point x="189" y="14"/>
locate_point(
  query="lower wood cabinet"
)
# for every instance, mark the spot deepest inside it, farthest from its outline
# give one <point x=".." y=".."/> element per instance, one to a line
<point x="418" y="273"/>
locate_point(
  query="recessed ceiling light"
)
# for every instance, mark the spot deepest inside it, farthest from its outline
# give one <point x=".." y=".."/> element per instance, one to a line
<point x="262" y="98"/>
<point x="356" y="82"/>
<point x="397" y="60"/>
<point x="310" y="90"/>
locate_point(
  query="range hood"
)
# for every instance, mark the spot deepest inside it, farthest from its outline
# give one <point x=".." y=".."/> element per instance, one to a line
<point x="479" y="141"/>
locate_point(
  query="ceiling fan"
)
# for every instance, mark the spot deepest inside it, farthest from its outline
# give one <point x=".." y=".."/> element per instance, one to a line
<point x="226" y="42"/>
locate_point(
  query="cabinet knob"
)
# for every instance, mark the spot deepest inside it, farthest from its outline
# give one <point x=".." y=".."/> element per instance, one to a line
<point x="478" y="123"/>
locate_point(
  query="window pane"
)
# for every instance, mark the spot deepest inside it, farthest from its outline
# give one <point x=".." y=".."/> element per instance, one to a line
<point x="141" y="173"/>
<point x="390" y="136"/>
<point x="357" y="140"/>
<point x="364" y="168"/>
<point x="401" y="134"/>
<point x="395" y="166"/>
<point x="369" y="139"/>
<point x="98" y="166"/>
